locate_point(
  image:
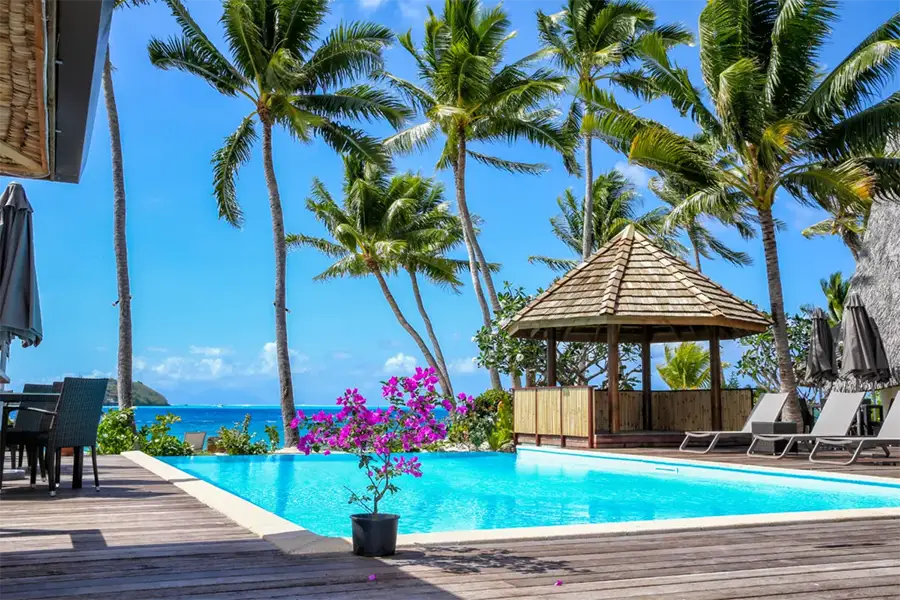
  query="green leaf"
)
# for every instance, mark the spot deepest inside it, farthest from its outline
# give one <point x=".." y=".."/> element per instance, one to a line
<point x="226" y="161"/>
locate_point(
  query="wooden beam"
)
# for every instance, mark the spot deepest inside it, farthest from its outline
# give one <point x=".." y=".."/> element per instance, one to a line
<point x="551" y="357"/>
<point x="715" y="379"/>
<point x="590" y="412"/>
<point x="612" y="368"/>
<point x="646" y="380"/>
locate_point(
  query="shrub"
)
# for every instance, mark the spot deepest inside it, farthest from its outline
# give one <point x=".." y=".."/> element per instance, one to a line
<point x="156" y="440"/>
<point x="114" y="434"/>
<point x="485" y="423"/>
<point x="274" y="437"/>
<point x="239" y="440"/>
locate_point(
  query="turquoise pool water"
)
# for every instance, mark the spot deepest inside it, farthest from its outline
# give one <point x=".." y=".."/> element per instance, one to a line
<point x="492" y="490"/>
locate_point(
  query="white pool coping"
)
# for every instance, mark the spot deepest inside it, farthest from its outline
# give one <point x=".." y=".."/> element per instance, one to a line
<point x="291" y="538"/>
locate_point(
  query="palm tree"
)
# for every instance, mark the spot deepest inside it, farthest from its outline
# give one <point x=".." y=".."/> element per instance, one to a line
<point x="776" y="124"/>
<point x="836" y="290"/>
<point x="468" y="95"/>
<point x="273" y="64"/>
<point x="383" y="224"/>
<point x="616" y="205"/>
<point x="591" y="41"/>
<point x="847" y="222"/>
<point x="120" y="245"/>
<point x="686" y="366"/>
<point x="703" y="242"/>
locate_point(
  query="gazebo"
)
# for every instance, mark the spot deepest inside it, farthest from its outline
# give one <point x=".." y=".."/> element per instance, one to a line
<point x="630" y="291"/>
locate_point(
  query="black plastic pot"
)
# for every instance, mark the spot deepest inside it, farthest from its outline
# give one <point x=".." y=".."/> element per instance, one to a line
<point x="374" y="535"/>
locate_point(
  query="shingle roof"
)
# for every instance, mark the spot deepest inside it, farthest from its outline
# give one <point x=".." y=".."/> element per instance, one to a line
<point x="630" y="281"/>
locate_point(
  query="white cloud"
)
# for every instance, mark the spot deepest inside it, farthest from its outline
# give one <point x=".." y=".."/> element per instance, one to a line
<point x="370" y="4"/>
<point x="637" y="174"/>
<point x="400" y="364"/>
<point x="463" y="365"/>
<point x="96" y="373"/>
<point x="209" y="350"/>
<point x="341" y="356"/>
<point x="267" y="363"/>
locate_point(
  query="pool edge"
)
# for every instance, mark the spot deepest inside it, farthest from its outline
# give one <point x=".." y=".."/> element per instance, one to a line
<point x="293" y="539"/>
<point x="285" y="535"/>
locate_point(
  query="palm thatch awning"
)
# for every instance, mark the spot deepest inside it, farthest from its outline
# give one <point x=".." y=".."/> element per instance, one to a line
<point x="644" y="290"/>
<point x="51" y="58"/>
<point x="876" y="282"/>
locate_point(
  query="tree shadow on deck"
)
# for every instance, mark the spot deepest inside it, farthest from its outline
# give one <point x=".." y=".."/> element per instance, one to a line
<point x="468" y="560"/>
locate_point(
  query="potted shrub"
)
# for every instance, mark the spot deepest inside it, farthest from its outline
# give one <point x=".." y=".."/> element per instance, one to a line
<point x="378" y="437"/>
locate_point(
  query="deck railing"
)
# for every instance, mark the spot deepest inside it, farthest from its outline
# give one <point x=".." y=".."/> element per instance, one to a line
<point x="574" y="415"/>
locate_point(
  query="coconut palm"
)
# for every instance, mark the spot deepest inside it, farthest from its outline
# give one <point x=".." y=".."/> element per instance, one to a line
<point x="274" y="61"/>
<point x="467" y="94"/>
<point x="847" y="222"/>
<point x="686" y="366"/>
<point x="691" y="223"/>
<point x="383" y="224"/>
<point x="776" y="127"/>
<point x="591" y="41"/>
<point x="120" y="245"/>
<point x="616" y="205"/>
<point x="836" y="290"/>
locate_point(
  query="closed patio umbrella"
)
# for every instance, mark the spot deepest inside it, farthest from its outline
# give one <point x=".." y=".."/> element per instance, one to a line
<point x="863" y="357"/>
<point x="20" y="307"/>
<point x="820" y="360"/>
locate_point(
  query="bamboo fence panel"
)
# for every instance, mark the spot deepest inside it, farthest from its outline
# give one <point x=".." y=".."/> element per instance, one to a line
<point x="601" y="410"/>
<point x="575" y="411"/>
<point x="681" y="410"/>
<point x="523" y="410"/>
<point x="630" y="411"/>
<point x="736" y="407"/>
<point x="548" y="410"/>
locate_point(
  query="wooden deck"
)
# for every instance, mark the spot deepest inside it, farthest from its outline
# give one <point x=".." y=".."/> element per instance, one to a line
<point x="142" y="538"/>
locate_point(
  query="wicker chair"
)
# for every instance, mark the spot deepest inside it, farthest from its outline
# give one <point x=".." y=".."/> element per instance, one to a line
<point x="72" y="425"/>
<point x="30" y="421"/>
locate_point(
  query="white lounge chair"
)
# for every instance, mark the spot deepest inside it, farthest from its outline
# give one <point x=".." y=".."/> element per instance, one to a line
<point x="766" y="409"/>
<point x="888" y="435"/>
<point x="834" y="421"/>
<point x="195" y="439"/>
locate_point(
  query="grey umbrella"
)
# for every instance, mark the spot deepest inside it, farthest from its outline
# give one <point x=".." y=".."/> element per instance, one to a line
<point x="20" y="306"/>
<point x="820" y="360"/>
<point x="863" y="355"/>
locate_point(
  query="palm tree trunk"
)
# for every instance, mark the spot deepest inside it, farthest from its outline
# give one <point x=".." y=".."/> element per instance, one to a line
<point x="423" y="348"/>
<point x="486" y="274"/>
<point x="442" y="365"/>
<point x="282" y="353"/>
<point x="792" y="410"/>
<point x="587" y="231"/>
<point x="696" y="257"/>
<point x="459" y="173"/>
<point x="124" y="364"/>
<point x="516" y="377"/>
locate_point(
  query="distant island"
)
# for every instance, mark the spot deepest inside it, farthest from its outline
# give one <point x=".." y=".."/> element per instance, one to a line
<point x="142" y="395"/>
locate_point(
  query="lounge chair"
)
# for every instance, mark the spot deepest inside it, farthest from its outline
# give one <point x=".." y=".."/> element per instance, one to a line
<point x="195" y="439"/>
<point x="835" y="419"/>
<point x="766" y="409"/>
<point x="888" y="435"/>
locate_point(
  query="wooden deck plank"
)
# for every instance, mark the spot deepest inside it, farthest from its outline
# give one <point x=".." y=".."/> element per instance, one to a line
<point x="142" y="538"/>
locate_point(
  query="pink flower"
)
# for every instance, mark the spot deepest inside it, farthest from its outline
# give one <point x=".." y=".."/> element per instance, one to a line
<point x="372" y="577"/>
<point x="558" y="583"/>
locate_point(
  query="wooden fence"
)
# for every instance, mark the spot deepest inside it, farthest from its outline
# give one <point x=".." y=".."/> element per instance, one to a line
<point x="566" y="414"/>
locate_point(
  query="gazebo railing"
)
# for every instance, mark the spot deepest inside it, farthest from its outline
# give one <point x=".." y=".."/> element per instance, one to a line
<point x="573" y="416"/>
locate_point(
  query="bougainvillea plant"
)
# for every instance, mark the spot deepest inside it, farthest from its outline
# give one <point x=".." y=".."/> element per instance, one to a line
<point x="376" y="435"/>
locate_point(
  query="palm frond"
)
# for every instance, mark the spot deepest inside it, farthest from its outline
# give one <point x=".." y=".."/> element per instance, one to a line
<point x="226" y="161"/>
<point x="359" y="102"/>
<point x="559" y="265"/>
<point x="510" y="166"/>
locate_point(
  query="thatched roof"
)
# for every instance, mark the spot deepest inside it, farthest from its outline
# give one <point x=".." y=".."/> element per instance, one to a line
<point x="23" y="116"/>
<point x="643" y="289"/>
<point x="877" y="281"/>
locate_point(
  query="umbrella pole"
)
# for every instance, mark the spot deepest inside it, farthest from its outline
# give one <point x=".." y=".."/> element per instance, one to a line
<point x="4" y="357"/>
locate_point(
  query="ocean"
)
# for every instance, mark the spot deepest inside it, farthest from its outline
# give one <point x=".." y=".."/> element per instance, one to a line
<point x="211" y="418"/>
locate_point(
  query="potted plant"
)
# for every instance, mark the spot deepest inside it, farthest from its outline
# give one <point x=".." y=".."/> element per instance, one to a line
<point x="378" y="437"/>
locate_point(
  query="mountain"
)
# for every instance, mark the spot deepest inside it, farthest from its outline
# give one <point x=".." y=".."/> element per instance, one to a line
<point x="143" y="395"/>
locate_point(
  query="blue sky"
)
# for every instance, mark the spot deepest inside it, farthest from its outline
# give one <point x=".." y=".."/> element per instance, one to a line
<point x="202" y="291"/>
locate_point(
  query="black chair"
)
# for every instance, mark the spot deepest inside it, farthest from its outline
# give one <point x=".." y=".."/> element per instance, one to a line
<point x="73" y="424"/>
<point x="30" y="420"/>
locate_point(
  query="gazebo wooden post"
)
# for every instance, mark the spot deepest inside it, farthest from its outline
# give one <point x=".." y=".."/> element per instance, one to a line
<point x="612" y="368"/>
<point x="646" y="379"/>
<point x="715" y="379"/>
<point x="551" y="358"/>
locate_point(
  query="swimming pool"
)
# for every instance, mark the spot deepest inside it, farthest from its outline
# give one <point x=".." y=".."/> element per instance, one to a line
<point x="479" y="491"/>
